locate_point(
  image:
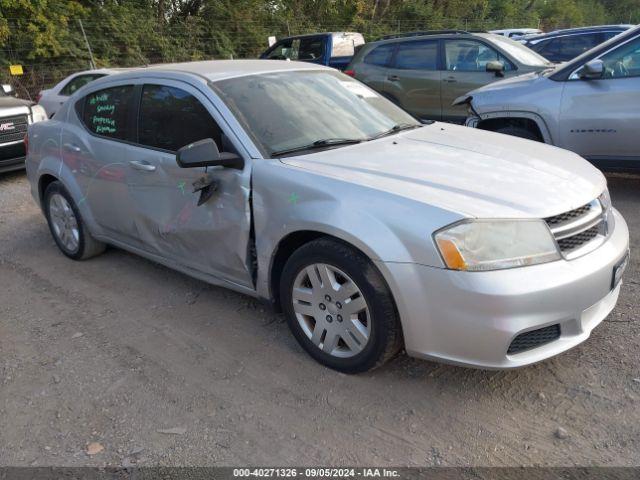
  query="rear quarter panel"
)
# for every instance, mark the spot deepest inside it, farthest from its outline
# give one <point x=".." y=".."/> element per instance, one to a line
<point x="43" y="156"/>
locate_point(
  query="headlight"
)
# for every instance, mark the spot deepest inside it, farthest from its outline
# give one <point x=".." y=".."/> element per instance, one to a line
<point x="38" y="114"/>
<point x="481" y="245"/>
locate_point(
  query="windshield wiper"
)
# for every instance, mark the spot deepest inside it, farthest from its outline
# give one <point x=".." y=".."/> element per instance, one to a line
<point x="395" y="129"/>
<point x="327" y="142"/>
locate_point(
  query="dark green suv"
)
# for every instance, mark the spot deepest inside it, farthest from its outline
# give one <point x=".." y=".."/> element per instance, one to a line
<point x="424" y="72"/>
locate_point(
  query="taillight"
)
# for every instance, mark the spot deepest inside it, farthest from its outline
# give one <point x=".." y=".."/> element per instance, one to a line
<point x="38" y="97"/>
<point x="26" y="144"/>
<point x="351" y="73"/>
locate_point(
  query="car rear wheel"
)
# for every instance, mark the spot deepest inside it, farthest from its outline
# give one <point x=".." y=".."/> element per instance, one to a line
<point x="68" y="230"/>
<point x="339" y="308"/>
<point x="518" y="132"/>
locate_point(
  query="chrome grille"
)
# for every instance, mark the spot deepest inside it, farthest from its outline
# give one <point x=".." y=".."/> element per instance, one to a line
<point x="13" y="129"/>
<point x="579" y="231"/>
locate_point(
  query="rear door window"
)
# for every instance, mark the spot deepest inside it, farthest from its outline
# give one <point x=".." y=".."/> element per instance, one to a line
<point x="107" y="112"/>
<point x="417" y="55"/>
<point x="171" y="118"/>
<point x="380" y="56"/>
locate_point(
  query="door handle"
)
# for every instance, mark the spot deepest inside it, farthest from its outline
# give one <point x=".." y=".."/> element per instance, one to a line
<point x="144" y="166"/>
<point x="449" y="80"/>
<point x="393" y="78"/>
<point x="72" y="147"/>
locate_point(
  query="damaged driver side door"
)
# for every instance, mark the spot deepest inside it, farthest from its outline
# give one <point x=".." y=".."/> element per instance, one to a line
<point x="211" y="238"/>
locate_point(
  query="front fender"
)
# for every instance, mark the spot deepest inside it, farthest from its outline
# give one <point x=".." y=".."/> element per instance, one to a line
<point x="385" y="227"/>
<point x="538" y="119"/>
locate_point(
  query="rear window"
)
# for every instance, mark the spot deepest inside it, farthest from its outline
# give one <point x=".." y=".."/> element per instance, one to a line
<point x="78" y="82"/>
<point x="107" y="112"/>
<point x="380" y="56"/>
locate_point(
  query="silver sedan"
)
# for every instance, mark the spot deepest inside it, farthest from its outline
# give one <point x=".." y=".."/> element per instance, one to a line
<point x="372" y="232"/>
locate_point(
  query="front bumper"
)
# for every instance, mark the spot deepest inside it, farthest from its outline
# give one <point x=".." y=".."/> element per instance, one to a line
<point x="471" y="318"/>
<point x="12" y="157"/>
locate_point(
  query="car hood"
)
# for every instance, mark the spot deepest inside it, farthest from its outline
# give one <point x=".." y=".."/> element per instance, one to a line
<point x="523" y="82"/>
<point x="471" y="172"/>
<point x="10" y="106"/>
<point x="12" y="102"/>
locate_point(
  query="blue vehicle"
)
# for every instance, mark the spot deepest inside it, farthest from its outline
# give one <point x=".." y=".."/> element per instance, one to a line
<point x="564" y="45"/>
<point x="334" y="49"/>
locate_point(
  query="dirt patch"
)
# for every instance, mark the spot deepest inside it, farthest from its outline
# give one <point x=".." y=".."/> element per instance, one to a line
<point x="118" y="361"/>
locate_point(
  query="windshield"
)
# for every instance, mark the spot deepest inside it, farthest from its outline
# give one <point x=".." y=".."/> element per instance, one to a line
<point x="520" y="52"/>
<point x="289" y="110"/>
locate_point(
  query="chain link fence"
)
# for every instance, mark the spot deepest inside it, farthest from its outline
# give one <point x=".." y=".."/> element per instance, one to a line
<point x="179" y="43"/>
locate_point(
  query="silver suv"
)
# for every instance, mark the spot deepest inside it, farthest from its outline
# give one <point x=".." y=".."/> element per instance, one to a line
<point x="296" y="184"/>
<point x="589" y="105"/>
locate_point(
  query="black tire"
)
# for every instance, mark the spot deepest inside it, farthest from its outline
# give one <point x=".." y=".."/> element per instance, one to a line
<point x="519" y="132"/>
<point x="87" y="245"/>
<point x="385" y="338"/>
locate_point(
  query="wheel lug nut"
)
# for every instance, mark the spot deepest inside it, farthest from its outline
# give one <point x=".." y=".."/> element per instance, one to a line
<point x="327" y="298"/>
<point x="329" y="318"/>
<point x="338" y="304"/>
<point x="339" y="318"/>
<point x="323" y="306"/>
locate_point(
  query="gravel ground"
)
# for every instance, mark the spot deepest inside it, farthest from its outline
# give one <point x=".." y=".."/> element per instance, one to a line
<point x="118" y="361"/>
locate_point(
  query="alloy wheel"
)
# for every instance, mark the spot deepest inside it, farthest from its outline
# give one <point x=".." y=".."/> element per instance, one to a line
<point x="64" y="222"/>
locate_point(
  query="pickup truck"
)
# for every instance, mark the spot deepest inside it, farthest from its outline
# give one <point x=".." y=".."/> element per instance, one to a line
<point x="15" y="116"/>
<point x="333" y="49"/>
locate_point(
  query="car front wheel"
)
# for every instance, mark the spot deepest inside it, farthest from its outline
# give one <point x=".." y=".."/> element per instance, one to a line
<point x="339" y="307"/>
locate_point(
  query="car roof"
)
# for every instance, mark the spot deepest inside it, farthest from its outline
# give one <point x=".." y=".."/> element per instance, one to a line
<point x="410" y="36"/>
<point x="598" y="28"/>
<point x="319" y="34"/>
<point x="214" y="70"/>
<point x="106" y="71"/>
<point x="525" y="29"/>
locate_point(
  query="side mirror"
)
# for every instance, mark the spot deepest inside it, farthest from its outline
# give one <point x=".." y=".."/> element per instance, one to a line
<point x="205" y="153"/>
<point x="592" y="70"/>
<point x="8" y="89"/>
<point x="496" y="67"/>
